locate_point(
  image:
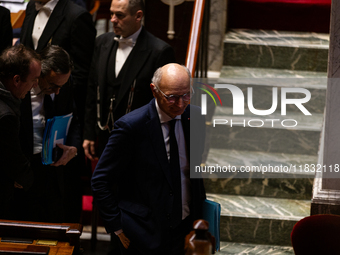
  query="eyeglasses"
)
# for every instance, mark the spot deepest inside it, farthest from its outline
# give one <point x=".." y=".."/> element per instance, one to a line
<point x="54" y="86"/>
<point x="174" y="98"/>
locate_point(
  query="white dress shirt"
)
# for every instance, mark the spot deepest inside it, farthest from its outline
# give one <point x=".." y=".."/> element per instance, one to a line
<point x="124" y="50"/>
<point x="183" y="159"/>
<point x="41" y="19"/>
<point x="38" y="114"/>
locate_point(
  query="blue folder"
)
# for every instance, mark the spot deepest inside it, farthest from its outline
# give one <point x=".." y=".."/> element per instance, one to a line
<point x="212" y="213"/>
<point x="56" y="130"/>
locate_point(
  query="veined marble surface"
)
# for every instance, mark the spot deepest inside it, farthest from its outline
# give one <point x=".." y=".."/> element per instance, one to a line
<point x="273" y="49"/>
<point x="273" y="37"/>
<point x="259" y="220"/>
<point x="260" y="139"/>
<point x="262" y="207"/>
<point x="218" y="12"/>
<point x="237" y="158"/>
<point x="296" y="183"/>
<point x="265" y="134"/>
<point x="271" y="77"/>
<point x="254" y="249"/>
<point x="291" y="188"/>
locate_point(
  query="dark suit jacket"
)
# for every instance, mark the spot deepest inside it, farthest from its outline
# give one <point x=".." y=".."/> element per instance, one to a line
<point x="62" y="104"/>
<point x="14" y="166"/>
<point x="135" y="159"/>
<point x="70" y="27"/>
<point x="147" y="55"/>
<point x="6" y="33"/>
<point x="65" y="180"/>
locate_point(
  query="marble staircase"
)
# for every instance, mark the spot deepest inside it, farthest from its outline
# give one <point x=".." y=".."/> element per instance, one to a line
<point x="260" y="210"/>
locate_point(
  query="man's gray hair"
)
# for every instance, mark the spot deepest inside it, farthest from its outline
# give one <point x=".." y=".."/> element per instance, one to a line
<point x="157" y="76"/>
<point x="55" y="58"/>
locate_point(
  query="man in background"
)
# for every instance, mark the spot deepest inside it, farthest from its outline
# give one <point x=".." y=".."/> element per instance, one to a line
<point x="122" y="67"/>
<point x="66" y="24"/>
<point x="20" y="70"/>
<point x="48" y="198"/>
<point x="147" y="158"/>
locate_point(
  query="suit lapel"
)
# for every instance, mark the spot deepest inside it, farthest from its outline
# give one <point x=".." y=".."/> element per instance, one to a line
<point x="186" y="129"/>
<point x="53" y="23"/>
<point x="27" y="31"/>
<point x="105" y="55"/>
<point x="135" y="62"/>
<point x="157" y="141"/>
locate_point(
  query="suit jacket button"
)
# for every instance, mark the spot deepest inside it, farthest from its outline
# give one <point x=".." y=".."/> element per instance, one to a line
<point x="170" y="193"/>
<point x="168" y="216"/>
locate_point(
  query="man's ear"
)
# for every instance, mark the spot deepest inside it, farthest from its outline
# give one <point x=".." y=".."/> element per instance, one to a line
<point x="139" y="15"/>
<point x="153" y="89"/>
<point x="16" y="80"/>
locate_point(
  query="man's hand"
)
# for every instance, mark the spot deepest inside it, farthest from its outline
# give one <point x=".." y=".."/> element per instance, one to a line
<point x="89" y="149"/>
<point x="18" y="186"/>
<point x="125" y="241"/>
<point x="69" y="152"/>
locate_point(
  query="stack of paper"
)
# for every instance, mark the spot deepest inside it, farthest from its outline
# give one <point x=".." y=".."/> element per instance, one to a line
<point x="56" y="130"/>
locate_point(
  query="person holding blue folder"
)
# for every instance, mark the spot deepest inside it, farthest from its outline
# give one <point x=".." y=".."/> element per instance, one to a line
<point x="53" y="97"/>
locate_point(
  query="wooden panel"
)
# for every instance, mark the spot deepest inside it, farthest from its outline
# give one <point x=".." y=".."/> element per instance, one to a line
<point x="17" y="18"/>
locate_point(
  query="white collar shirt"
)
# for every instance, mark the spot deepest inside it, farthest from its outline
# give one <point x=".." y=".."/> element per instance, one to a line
<point x="124" y="50"/>
<point x="183" y="159"/>
<point x="41" y="19"/>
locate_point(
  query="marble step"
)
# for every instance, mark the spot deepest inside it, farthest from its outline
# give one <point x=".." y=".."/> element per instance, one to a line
<point x="269" y="221"/>
<point x="293" y="133"/>
<point x="262" y="81"/>
<point x="276" y="49"/>
<point x="254" y="249"/>
<point x="296" y="184"/>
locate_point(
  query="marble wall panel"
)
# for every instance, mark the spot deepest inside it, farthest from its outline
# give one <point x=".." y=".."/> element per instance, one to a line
<point x="255" y="230"/>
<point x="217" y="25"/>
<point x="260" y="139"/>
<point x="300" y="188"/>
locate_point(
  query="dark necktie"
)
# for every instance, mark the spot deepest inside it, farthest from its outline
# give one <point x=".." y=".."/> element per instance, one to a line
<point x="175" y="173"/>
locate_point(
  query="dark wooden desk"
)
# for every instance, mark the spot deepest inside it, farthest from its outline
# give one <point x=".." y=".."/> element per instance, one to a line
<point x="67" y="237"/>
<point x="62" y="248"/>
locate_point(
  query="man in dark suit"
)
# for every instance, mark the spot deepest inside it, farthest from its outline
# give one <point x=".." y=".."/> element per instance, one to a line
<point x="147" y="157"/>
<point x="6" y="32"/>
<point x="122" y="67"/>
<point x="69" y="26"/>
<point x="20" y="70"/>
<point x="53" y="97"/>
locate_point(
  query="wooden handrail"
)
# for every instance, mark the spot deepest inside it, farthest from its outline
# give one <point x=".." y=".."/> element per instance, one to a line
<point x="194" y="37"/>
<point x="95" y="7"/>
